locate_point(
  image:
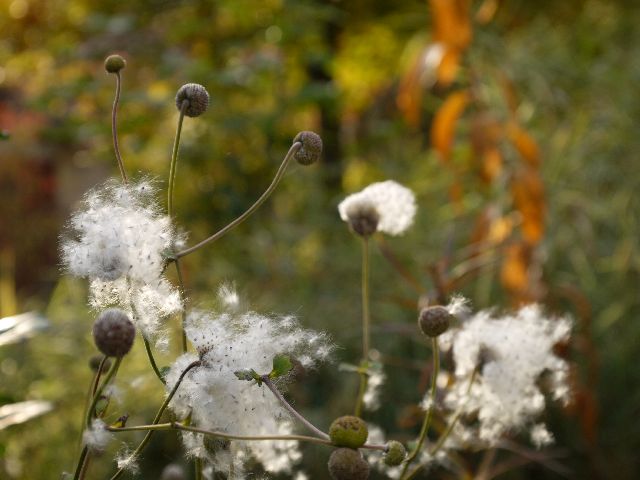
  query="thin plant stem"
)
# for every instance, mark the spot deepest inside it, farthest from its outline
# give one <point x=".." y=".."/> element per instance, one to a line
<point x="90" y="394"/>
<point x="156" y="420"/>
<point x="183" y="297"/>
<point x="152" y="360"/>
<point x="443" y="437"/>
<point x="98" y="394"/>
<point x="197" y="464"/>
<point x="80" y="466"/>
<point x="230" y="436"/>
<point x="114" y="128"/>
<point x="427" y="419"/>
<point x="267" y="381"/>
<point x="274" y="183"/>
<point x="174" y="158"/>
<point x="364" y="375"/>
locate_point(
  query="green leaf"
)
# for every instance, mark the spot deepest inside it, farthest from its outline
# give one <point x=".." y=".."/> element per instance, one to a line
<point x="248" y="374"/>
<point x="4" y="135"/>
<point x="281" y="366"/>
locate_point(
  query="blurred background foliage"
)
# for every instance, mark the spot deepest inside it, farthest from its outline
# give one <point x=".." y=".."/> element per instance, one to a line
<point x="515" y="123"/>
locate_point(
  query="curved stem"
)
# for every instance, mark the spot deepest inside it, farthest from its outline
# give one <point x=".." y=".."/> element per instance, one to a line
<point x="114" y="129"/>
<point x="156" y="420"/>
<point x="427" y="419"/>
<point x="267" y="381"/>
<point x="174" y="158"/>
<point x="90" y="394"/>
<point x="152" y="360"/>
<point x="274" y="183"/>
<point x="183" y="298"/>
<point x="364" y="376"/>
<point x="197" y="465"/>
<point x="98" y="394"/>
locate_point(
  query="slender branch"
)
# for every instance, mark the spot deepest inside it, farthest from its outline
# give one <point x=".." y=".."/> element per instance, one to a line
<point x="90" y="394"/>
<point x="152" y="360"/>
<point x="230" y="436"/>
<point x="274" y="183"/>
<point x="156" y="420"/>
<point x="174" y="158"/>
<point x="364" y="376"/>
<point x="197" y="465"/>
<point x="183" y="298"/>
<point x="98" y="394"/>
<point x="114" y="129"/>
<point x="80" y="466"/>
<point x="427" y="419"/>
<point x="443" y="437"/>
<point x="397" y="264"/>
<point x="267" y="381"/>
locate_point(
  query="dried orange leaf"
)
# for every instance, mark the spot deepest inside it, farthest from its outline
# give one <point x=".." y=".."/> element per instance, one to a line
<point x="444" y="122"/>
<point x="524" y="144"/>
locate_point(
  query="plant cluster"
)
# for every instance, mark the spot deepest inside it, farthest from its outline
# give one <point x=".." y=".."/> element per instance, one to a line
<point x="225" y="393"/>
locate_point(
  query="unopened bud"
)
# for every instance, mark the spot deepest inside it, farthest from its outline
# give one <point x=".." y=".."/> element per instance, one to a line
<point x="348" y="464"/>
<point x="114" y="63"/>
<point x="311" y="148"/>
<point x="395" y="453"/>
<point x="348" y="431"/>
<point x="113" y="333"/>
<point x="197" y="99"/>
<point x="434" y="321"/>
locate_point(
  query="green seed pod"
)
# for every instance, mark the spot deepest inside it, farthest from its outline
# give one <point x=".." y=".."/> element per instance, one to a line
<point x="434" y="321"/>
<point x="113" y="333"/>
<point x="395" y="453"/>
<point x="114" y="63"/>
<point x="348" y="431"/>
<point x="348" y="464"/>
<point x="196" y="96"/>
<point x="311" y="148"/>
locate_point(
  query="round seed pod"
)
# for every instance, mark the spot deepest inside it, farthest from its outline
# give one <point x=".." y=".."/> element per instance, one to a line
<point x="113" y="333"/>
<point x="434" y="321"/>
<point x="348" y="464"/>
<point x="114" y="63"/>
<point x="311" y="148"/>
<point x="363" y="219"/>
<point x="395" y="453"/>
<point x="196" y="96"/>
<point x="348" y="431"/>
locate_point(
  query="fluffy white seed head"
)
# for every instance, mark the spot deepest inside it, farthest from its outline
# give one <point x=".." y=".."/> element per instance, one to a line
<point x="232" y="340"/>
<point x="509" y="355"/>
<point x="97" y="437"/>
<point x="394" y="204"/>
<point x="118" y="240"/>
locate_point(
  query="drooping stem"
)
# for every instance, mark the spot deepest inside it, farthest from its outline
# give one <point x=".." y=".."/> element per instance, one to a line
<point x="364" y="376"/>
<point x="98" y="393"/>
<point x="90" y="394"/>
<point x="274" y="183"/>
<point x="430" y="407"/>
<point x="267" y="381"/>
<point x="152" y="360"/>
<point x="114" y="128"/>
<point x="183" y="298"/>
<point x="156" y="420"/>
<point x="174" y="158"/>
